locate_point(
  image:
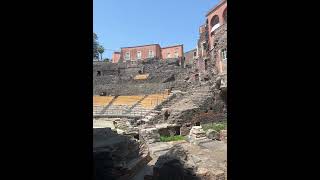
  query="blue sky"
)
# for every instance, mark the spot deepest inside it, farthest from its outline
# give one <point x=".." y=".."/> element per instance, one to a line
<point x="122" y="23"/>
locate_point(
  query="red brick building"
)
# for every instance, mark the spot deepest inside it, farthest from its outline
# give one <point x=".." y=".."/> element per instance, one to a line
<point x="212" y="43"/>
<point x="217" y="26"/>
<point x="216" y="18"/>
<point x="190" y="56"/>
<point x="172" y="52"/>
<point x="143" y="52"/>
<point x="116" y="57"/>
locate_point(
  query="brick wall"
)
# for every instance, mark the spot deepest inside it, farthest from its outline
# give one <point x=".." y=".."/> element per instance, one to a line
<point x="116" y="57"/>
<point x="172" y="50"/>
<point x="189" y="56"/>
<point x="216" y="12"/>
<point x="144" y="50"/>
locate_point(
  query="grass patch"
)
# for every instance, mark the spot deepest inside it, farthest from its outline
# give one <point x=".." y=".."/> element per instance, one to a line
<point x="215" y="126"/>
<point x="171" y="138"/>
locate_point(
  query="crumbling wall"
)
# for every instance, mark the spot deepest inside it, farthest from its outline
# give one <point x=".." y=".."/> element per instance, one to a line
<point x="118" y="79"/>
<point x="111" y="153"/>
<point x="220" y="42"/>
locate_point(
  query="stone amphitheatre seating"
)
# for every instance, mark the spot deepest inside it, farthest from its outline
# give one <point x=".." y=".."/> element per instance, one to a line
<point x="102" y="100"/>
<point x="128" y="106"/>
<point x="127" y="100"/>
<point x="153" y="100"/>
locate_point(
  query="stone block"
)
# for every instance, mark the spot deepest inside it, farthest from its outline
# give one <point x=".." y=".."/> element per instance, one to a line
<point x="212" y="134"/>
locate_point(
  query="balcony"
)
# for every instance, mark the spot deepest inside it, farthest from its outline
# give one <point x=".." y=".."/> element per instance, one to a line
<point x="218" y="29"/>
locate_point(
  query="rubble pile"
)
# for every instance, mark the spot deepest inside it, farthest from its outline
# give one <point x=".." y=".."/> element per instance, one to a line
<point x="174" y="165"/>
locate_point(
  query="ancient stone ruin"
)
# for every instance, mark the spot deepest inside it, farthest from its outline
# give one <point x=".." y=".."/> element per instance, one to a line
<point x="160" y="118"/>
<point x="117" y="156"/>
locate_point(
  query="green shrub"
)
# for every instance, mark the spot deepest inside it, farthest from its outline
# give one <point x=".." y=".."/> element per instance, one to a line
<point x="171" y="138"/>
<point x="215" y="126"/>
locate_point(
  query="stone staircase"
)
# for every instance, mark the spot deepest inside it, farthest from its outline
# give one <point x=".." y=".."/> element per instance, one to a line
<point x="174" y="97"/>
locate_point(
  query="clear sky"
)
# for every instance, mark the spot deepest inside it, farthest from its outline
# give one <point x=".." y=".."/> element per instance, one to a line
<point x="122" y="23"/>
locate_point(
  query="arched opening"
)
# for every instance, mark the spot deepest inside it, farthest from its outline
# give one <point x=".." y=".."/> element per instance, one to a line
<point x="214" y="23"/>
<point x="166" y="115"/>
<point x="136" y="136"/>
<point x="225" y="16"/>
<point x="196" y="77"/>
<point x="206" y="64"/>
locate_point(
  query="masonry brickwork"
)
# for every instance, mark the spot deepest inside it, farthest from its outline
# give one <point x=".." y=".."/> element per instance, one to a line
<point x="144" y="52"/>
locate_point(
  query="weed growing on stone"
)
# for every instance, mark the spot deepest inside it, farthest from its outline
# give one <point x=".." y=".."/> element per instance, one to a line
<point x="171" y="138"/>
<point x="215" y="126"/>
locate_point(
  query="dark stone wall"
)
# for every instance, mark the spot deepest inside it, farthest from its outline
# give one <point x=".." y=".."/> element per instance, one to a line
<point x="117" y="79"/>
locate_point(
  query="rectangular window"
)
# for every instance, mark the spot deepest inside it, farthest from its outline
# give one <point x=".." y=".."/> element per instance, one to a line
<point x="203" y="45"/>
<point x="176" y="55"/>
<point x="168" y="55"/>
<point x="194" y="55"/>
<point x="127" y="56"/>
<point x="139" y="55"/>
<point x="150" y="54"/>
<point x="224" y="54"/>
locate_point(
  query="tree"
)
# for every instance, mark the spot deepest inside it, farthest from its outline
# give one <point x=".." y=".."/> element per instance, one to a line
<point x="95" y="46"/>
<point x="100" y="51"/>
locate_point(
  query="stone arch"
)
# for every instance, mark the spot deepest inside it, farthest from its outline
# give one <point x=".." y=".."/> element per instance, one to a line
<point x="224" y="16"/>
<point x="214" y="21"/>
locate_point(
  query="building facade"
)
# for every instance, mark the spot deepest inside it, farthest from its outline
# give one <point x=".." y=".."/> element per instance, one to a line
<point x="212" y="42"/>
<point x="217" y="23"/>
<point x="116" y="57"/>
<point x="190" y="56"/>
<point x="172" y="52"/>
<point x="143" y="52"/>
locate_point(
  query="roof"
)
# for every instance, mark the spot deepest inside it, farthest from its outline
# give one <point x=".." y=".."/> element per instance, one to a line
<point x="172" y="46"/>
<point x="216" y="6"/>
<point x="141" y="46"/>
<point x="191" y="50"/>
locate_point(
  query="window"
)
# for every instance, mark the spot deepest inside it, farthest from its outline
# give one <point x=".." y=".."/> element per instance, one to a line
<point x="205" y="64"/>
<point x="202" y="48"/>
<point x="194" y="55"/>
<point x="127" y="56"/>
<point x="139" y="55"/>
<point x="176" y="55"/>
<point x="224" y="54"/>
<point x="150" y="54"/>
<point x="168" y="55"/>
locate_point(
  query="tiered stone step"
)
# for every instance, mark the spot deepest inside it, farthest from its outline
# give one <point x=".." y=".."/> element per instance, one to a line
<point x="111" y="110"/>
<point x="153" y="100"/>
<point x="127" y="100"/>
<point x="128" y="106"/>
<point x="102" y="100"/>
